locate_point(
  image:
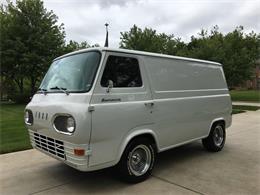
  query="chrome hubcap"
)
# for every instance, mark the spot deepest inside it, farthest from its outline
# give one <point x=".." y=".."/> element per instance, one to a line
<point x="218" y="136"/>
<point x="139" y="160"/>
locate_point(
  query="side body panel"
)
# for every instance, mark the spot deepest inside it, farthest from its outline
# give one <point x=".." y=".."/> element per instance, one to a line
<point x="188" y="96"/>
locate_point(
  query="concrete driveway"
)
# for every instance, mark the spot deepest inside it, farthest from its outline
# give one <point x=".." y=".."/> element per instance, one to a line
<point x="185" y="170"/>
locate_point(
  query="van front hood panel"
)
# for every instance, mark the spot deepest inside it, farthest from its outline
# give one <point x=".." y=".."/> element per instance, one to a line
<point x="46" y="107"/>
<point x="61" y="97"/>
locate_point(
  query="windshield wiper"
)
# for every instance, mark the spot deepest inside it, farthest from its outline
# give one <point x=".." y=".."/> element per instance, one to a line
<point x="61" y="89"/>
<point x="44" y="91"/>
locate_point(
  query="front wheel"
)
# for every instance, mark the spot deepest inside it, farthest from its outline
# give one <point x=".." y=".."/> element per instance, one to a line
<point x="216" y="139"/>
<point x="137" y="161"/>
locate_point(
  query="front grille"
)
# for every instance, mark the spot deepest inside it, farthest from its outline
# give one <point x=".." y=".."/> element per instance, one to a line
<point x="50" y="145"/>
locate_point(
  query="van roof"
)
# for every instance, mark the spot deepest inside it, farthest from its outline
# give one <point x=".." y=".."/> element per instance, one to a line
<point x="127" y="51"/>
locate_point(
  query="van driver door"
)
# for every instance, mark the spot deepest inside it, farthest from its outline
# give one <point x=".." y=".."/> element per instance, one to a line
<point x="121" y="103"/>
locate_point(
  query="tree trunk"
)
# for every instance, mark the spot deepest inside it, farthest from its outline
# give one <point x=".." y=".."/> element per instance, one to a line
<point x="2" y="87"/>
<point x="33" y="83"/>
<point x="19" y="82"/>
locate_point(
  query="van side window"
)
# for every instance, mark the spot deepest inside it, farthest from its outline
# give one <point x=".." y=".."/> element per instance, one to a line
<point x="123" y="71"/>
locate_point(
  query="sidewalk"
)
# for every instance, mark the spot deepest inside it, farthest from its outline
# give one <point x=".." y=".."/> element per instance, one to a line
<point x="246" y="103"/>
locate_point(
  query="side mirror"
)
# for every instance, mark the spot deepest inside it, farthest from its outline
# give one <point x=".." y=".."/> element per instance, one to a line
<point x="110" y="85"/>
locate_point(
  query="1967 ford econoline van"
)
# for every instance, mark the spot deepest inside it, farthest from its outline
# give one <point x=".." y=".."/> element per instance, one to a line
<point x="103" y="107"/>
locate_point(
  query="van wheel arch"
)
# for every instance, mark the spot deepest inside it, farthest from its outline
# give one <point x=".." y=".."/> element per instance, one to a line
<point x="215" y="141"/>
<point x="124" y="167"/>
<point x="147" y="136"/>
<point x="222" y="121"/>
<point x="214" y="122"/>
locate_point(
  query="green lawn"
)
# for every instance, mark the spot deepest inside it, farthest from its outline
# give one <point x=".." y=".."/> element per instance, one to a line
<point x="249" y="95"/>
<point x="13" y="134"/>
<point x="236" y="109"/>
<point x="244" y="107"/>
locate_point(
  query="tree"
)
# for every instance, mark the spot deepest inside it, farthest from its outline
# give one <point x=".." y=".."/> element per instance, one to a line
<point x="237" y="51"/>
<point x="30" y="39"/>
<point x="74" y="46"/>
<point x="149" y="40"/>
<point x="240" y="54"/>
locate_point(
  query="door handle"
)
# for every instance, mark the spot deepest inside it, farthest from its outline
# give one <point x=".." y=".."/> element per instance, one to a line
<point x="150" y="104"/>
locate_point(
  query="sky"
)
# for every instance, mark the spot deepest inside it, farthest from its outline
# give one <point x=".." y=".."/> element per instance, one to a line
<point x="84" y="19"/>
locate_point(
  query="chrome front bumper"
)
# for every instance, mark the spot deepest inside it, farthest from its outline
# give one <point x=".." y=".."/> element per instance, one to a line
<point x="61" y="150"/>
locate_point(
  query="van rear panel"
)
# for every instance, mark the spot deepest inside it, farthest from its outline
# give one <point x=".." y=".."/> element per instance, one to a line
<point x="188" y="96"/>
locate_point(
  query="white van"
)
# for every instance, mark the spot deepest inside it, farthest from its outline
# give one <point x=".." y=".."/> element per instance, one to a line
<point x="102" y="107"/>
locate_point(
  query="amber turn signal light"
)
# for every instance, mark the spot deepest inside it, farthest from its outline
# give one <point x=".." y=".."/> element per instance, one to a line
<point x="79" y="152"/>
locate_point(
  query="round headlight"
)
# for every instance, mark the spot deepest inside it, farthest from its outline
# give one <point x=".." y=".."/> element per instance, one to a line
<point x="70" y="124"/>
<point x="26" y="116"/>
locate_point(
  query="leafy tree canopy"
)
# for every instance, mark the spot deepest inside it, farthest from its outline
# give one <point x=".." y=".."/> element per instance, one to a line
<point x="30" y="39"/>
<point x="73" y="46"/>
<point x="149" y="40"/>
<point x="237" y="51"/>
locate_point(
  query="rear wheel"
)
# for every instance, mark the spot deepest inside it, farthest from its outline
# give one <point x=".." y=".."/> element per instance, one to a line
<point x="137" y="161"/>
<point x="216" y="139"/>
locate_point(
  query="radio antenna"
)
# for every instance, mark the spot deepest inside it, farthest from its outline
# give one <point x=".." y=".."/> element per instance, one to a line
<point x="106" y="42"/>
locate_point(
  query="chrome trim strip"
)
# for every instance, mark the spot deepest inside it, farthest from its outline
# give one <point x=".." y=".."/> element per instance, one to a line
<point x="165" y="99"/>
<point x="192" y="90"/>
<point x="192" y="97"/>
<point x="127" y="93"/>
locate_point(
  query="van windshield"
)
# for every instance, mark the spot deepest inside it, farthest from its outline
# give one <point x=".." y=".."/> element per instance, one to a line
<point x="73" y="73"/>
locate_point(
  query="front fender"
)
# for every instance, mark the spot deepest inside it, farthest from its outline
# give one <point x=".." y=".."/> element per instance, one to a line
<point x="131" y="135"/>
